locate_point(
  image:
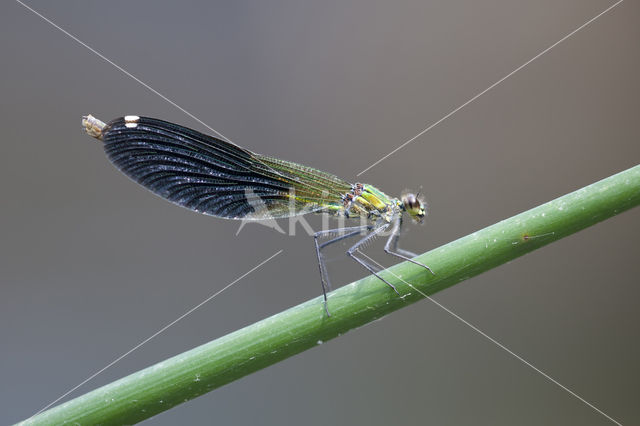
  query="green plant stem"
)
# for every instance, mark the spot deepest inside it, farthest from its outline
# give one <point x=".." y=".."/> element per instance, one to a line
<point x="228" y="358"/>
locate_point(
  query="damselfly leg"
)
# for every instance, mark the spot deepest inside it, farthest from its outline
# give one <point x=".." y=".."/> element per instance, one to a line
<point x="391" y="247"/>
<point x="351" y="253"/>
<point x="347" y="233"/>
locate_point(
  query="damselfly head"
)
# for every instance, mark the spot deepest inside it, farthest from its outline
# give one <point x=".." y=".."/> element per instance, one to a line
<point x="414" y="205"/>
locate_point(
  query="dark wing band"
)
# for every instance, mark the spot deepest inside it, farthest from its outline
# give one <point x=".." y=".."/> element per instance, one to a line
<point x="214" y="177"/>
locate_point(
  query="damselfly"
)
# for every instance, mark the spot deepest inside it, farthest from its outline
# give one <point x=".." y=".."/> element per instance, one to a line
<point x="218" y="178"/>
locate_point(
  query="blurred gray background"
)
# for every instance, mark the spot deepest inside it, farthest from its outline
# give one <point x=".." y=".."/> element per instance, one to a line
<point x="91" y="264"/>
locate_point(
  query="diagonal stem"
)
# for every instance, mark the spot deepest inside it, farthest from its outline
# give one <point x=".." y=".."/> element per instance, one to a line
<point x="228" y="358"/>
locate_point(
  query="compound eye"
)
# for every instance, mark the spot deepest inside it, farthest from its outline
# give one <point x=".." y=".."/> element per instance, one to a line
<point x="411" y="202"/>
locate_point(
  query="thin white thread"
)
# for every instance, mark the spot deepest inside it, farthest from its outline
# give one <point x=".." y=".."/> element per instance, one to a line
<point x="492" y="86"/>
<point x="76" y="39"/>
<point x="158" y="332"/>
<point x="500" y="345"/>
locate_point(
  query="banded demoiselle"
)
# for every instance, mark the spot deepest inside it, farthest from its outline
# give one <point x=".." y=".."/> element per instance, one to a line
<point x="219" y="178"/>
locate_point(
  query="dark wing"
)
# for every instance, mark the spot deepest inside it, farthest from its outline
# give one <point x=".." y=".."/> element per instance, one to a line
<point x="215" y="177"/>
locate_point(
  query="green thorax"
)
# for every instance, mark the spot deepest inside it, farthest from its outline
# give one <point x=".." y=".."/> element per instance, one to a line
<point x="366" y="201"/>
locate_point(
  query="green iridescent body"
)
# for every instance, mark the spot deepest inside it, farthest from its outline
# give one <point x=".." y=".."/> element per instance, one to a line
<point x="337" y="197"/>
<point x="369" y="203"/>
